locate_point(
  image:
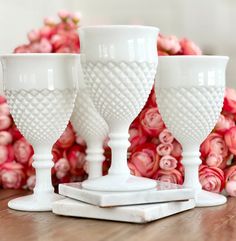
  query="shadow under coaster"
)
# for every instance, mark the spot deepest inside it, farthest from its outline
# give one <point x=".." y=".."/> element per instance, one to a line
<point x="134" y="213"/>
<point x="164" y="192"/>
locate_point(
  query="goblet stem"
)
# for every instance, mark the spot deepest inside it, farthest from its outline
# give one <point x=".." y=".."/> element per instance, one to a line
<point x="43" y="165"/>
<point x="95" y="159"/>
<point x="119" y="144"/>
<point x="191" y="162"/>
<point x="119" y="178"/>
<point x="43" y="193"/>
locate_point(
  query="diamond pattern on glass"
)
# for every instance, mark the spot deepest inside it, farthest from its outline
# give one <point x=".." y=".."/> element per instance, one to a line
<point x="41" y="115"/>
<point x="85" y="118"/>
<point x="120" y="90"/>
<point x="190" y="113"/>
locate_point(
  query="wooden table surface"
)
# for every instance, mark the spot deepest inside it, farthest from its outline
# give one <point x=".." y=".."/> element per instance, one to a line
<point x="215" y="223"/>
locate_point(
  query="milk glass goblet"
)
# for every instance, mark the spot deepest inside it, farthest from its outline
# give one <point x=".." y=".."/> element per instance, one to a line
<point x="119" y="63"/>
<point x="190" y="94"/>
<point x="89" y="124"/>
<point x="40" y="91"/>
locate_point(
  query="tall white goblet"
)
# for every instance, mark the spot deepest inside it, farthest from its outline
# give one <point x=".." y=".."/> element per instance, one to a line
<point x="119" y="64"/>
<point x="89" y="124"/>
<point x="40" y="91"/>
<point x="190" y="93"/>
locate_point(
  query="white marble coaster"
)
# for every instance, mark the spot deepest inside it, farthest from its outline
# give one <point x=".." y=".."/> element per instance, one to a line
<point x="134" y="213"/>
<point x="164" y="192"/>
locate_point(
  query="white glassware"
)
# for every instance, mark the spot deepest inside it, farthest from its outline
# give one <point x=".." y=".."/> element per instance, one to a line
<point x="190" y="93"/>
<point x="88" y="124"/>
<point x="119" y="63"/>
<point x="40" y="91"/>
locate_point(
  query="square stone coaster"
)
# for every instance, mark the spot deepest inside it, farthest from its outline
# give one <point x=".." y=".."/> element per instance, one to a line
<point x="134" y="213"/>
<point x="164" y="192"/>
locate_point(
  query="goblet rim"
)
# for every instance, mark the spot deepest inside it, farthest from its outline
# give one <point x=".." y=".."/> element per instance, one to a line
<point x="223" y="57"/>
<point x="119" y="26"/>
<point x="39" y="55"/>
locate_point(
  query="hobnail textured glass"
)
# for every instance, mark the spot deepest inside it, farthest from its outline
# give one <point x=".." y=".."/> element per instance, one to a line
<point x="190" y="93"/>
<point x="190" y="113"/>
<point x="120" y="90"/>
<point x="40" y="91"/>
<point x="119" y="64"/>
<point x="41" y="115"/>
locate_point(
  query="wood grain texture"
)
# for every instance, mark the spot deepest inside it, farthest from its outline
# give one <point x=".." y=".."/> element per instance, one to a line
<point x="200" y="224"/>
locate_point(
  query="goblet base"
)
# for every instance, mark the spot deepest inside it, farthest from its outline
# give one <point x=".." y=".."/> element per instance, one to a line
<point x="34" y="203"/>
<point x="208" y="199"/>
<point x="119" y="183"/>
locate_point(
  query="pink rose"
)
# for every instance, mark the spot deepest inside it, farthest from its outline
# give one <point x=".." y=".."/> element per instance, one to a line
<point x="2" y="99"/>
<point x="50" y="21"/>
<point x="162" y="53"/>
<point x="12" y="175"/>
<point x="62" y="167"/>
<point x="67" y="139"/>
<point x="171" y="176"/>
<point x="164" y="149"/>
<point x="177" y="150"/>
<point x="189" y="48"/>
<point x="75" y="17"/>
<point x="214" y="160"/>
<point x="23" y="151"/>
<point x="5" y="122"/>
<point x="80" y="141"/>
<point x="135" y="138"/>
<point x="64" y="14"/>
<point x="16" y="135"/>
<point x="168" y="163"/>
<point x="5" y="138"/>
<point x="166" y="137"/>
<point x="230" y="139"/>
<point x="34" y="35"/>
<point x="4" y="109"/>
<point x="76" y="157"/>
<point x="45" y="46"/>
<point x="230" y="188"/>
<point x="144" y="161"/>
<point x="30" y="183"/>
<point x="57" y="153"/>
<point x="6" y="154"/>
<point x="25" y="48"/>
<point x="214" y="143"/>
<point x="169" y="44"/>
<point x="30" y="170"/>
<point x="211" y="178"/>
<point x="151" y="102"/>
<point x="151" y="121"/>
<point x="230" y="179"/>
<point x="46" y="32"/>
<point x="230" y="100"/>
<point x="223" y="124"/>
<point x="230" y="174"/>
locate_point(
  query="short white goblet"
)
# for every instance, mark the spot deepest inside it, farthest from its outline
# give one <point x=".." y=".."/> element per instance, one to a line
<point x="190" y="93"/>
<point x="89" y="124"/>
<point x="119" y="63"/>
<point x="40" y="91"/>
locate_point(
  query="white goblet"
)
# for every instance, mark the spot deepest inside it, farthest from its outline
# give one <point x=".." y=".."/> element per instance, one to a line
<point x="119" y="63"/>
<point x="89" y="124"/>
<point x="40" y="91"/>
<point x="190" y="93"/>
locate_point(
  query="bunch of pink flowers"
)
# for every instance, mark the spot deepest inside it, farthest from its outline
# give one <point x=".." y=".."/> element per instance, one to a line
<point x="54" y="36"/>
<point x="153" y="153"/>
